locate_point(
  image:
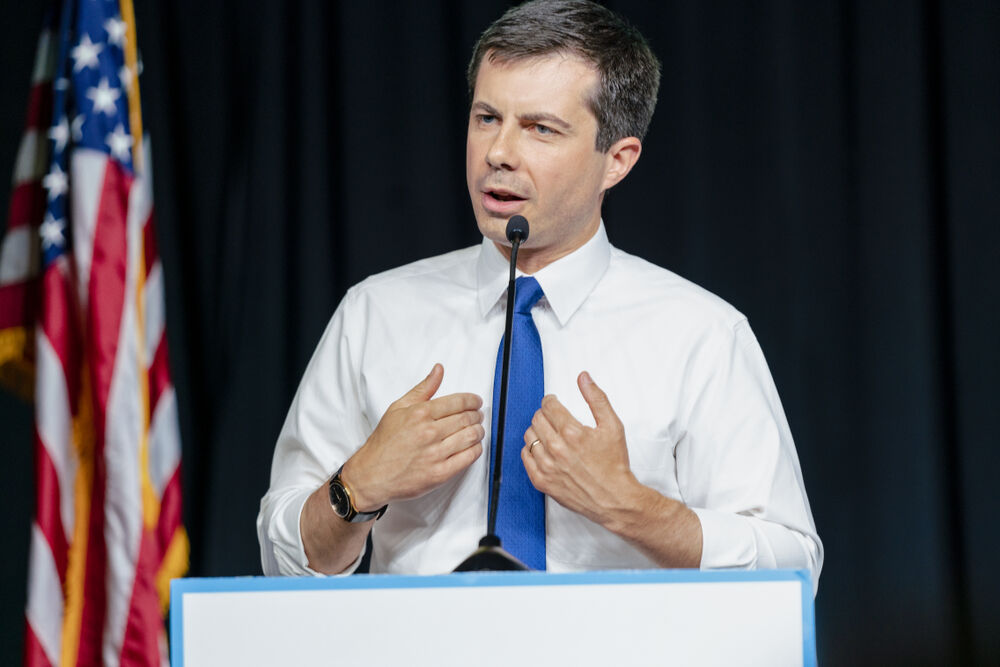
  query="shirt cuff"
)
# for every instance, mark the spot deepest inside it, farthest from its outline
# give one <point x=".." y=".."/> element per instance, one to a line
<point x="286" y="536"/>
<point x="727" y="540"/>
<point x="735" y="541"/>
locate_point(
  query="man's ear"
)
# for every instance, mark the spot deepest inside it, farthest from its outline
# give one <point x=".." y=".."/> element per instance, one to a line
<point x="621" y="157"/>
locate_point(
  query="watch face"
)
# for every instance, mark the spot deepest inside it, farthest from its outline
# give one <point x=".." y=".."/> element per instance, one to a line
<point x="339" y="500"/>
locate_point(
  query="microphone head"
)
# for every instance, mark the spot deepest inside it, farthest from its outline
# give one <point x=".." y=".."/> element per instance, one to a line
<point x="517" y="226"/>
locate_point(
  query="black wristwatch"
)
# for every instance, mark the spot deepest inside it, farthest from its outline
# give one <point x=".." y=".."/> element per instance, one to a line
<point x="343" y="504"/>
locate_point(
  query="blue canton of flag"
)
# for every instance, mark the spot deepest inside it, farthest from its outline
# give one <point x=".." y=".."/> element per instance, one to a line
<point x="90" y="94"/>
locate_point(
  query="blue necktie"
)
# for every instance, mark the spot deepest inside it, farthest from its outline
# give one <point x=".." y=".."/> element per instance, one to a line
<point x="521" y="508"/>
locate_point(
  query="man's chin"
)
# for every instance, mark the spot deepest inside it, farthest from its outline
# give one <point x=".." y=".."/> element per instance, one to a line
<point x="493" y="227"/>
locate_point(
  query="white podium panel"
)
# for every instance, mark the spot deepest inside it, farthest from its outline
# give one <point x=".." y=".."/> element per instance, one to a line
<point x="643" y="617"/>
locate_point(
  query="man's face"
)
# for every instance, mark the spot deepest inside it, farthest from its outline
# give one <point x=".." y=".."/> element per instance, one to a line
<point x="531" y="151"/>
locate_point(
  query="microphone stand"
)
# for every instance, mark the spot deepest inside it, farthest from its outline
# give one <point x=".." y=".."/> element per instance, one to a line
<point x="490" y="556"/>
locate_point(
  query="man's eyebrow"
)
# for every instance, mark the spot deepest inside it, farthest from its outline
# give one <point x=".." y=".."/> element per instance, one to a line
<point x="535" y="117"/>
<point x="486" y="108"/>
<point x="542" y="117"/>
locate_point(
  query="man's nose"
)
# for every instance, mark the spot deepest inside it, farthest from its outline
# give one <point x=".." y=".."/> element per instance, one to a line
<point x="503" y="152"/>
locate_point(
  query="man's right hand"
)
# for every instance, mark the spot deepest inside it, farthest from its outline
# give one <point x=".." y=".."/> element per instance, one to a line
<point x="420" y="443"/>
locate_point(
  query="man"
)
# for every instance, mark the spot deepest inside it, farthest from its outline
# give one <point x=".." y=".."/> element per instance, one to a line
<point x="661" y="442"/>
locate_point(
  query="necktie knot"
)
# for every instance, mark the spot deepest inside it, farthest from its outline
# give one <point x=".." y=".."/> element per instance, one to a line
<point x="527" y="293"/>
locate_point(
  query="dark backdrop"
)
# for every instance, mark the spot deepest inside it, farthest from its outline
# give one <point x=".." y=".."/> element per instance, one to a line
<point x="830" y="168"/>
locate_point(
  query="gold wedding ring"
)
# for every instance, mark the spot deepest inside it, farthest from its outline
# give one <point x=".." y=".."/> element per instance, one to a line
<point x="532" y="445"/>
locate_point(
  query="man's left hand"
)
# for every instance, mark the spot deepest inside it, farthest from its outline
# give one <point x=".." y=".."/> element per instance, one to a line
<point x="584" y="469"/>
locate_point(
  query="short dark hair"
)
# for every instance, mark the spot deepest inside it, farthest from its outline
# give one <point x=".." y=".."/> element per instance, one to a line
<point x="624" y="100"/>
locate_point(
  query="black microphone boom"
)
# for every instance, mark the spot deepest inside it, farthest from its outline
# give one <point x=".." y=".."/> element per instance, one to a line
<point x="490" y="555"/>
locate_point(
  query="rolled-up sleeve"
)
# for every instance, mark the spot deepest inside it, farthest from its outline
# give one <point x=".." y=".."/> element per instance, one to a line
<point x="737" y="467"/>
<point x="324" y="426"/>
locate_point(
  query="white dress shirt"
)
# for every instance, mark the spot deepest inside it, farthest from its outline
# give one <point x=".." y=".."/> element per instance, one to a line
<point x="681" y="367"/>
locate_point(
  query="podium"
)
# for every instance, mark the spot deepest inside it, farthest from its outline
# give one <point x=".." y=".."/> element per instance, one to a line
<point x="640" y="617"/>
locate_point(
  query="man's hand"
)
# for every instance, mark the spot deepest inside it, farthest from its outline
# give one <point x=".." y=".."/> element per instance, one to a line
<point x="586" y="470"/>
<point x="420" y="443"/>
<point x="583" y="469"/>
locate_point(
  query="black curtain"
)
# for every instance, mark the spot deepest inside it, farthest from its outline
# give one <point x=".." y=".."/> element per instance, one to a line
<point x="830" y="168"/>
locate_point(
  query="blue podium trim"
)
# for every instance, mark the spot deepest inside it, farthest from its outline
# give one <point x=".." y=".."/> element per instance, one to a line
<point x="180" y="587"/>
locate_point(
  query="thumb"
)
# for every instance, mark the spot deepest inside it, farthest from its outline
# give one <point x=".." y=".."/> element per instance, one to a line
<point x="424" y="389"/>
<point x="598" y="401"/>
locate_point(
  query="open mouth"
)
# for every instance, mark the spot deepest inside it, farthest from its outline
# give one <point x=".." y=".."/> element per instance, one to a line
<point x="501" y="195"/>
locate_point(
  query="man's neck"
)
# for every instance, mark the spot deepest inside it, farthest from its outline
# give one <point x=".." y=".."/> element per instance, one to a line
<point x="532" y="260"/>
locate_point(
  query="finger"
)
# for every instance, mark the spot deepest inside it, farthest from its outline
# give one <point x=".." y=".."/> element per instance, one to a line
<point x="551" y="445"/>
<point x="453" y="465"/>
<point x="452" y="404"/>
<point x="543" y="428"/>
<point x="534" y="474"/>
<point x="539" y="454"/>
<point x="424" y="389"/>
<point x="531" y="441"/>
<point x="462" y="439"/>
<point x="463" y="458"/>
<point x="598" y="401"/>
<point x="556" y="413"/>
<point x="454" y="423"/>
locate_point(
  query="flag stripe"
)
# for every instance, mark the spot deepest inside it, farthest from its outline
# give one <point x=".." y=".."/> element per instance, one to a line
<point x="159" y="374"/>
<point x="164" y="443"/>
<point x="93" y="611"/>
<point x="88" y="175"/>
<point x="155" y="315"/>
<point x="45" y="57"/>
<point x="31" y="158"/>
<point x="16" y="304"/>
<point x="54" y="428"/>
<point x="40" y="106"/>
<point x="34" y="654"/>
<point x="27" y="203"/>
<point x="150" y="245"/>
<point x="45" y="602"/>
<point x="170" y="511"/>
<point x="107" y="283"/>
<point x="142" y="631"/>
<point x="16" y="264"/>
<point x="49" y="510"/>
<point x="60" y="326"/>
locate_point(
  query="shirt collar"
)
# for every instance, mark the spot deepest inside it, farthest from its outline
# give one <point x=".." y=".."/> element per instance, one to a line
<point x="566" y="282"/>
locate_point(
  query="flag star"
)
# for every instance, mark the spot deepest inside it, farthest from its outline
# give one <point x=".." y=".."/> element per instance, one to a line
<point x="77" y="128"/>
<point x="59" y="133"/>
<point x="104" y="97"/>
<point x="55" y="182"/>
<point x="120" y="143"/>
<point x="62" y="83"/>
<point x="125" y="76"/>
<point x="116" y="31"/>
<point x="85" y="53"/>
<point x="51" y="231"/>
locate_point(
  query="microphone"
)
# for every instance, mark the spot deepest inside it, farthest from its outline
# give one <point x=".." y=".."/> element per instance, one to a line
<point x="517" y="233"/>
<point x="490" y="555"/>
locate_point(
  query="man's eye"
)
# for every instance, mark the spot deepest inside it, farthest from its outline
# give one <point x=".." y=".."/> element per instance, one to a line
<point x="486" y="118"/>
<point x="544" y="129"/>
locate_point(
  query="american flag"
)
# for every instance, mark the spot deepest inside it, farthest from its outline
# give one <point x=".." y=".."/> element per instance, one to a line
<point x="82" y="321"/>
